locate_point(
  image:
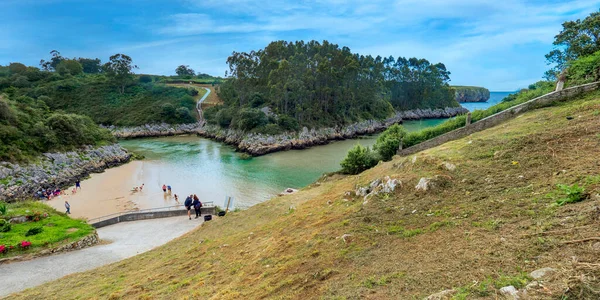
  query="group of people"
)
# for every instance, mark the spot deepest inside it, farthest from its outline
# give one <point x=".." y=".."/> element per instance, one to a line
<point x="55" y="192"/>
<point x="136" y="189"/>
<point x="193" y="201"/>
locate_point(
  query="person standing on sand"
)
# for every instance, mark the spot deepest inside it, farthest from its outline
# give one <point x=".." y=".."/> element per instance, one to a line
<point x="197" y="205"/>
<point x="141" y="187"/>
<point x="164" y="188"/>
<point x="188" y="205"/>
<point x="68" y="207"/>
<point x="176" y="198"/>
<point x="169" y="188"/>
<point x="78" y="184"/>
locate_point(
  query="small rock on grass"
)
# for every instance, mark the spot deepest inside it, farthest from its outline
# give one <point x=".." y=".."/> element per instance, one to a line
<point x="443" y="295"/>
<point x="510" y="292"/>
<point x="543" y="272"/>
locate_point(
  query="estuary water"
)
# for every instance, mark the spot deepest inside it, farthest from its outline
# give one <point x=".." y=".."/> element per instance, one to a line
<point x="213" y="171"/>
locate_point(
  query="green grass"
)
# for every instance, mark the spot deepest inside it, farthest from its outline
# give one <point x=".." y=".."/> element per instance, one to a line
<point x="56" y="228"/>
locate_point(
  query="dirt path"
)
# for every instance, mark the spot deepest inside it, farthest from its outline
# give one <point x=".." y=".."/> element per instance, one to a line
<point x="126" y="240"/>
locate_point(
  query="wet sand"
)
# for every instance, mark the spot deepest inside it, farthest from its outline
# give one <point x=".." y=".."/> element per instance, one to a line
<point x="110" y="192"/>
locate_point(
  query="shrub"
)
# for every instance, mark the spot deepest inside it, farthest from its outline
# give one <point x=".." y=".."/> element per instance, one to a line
<point x="288" y="123"/>
<point x="389" y="141"/>
<point x="3" y="249"/>
<point x="34" y="231"/>
<point x="145" y="78"/>
<point x="249" y="119"/>
<point x="4" y="226"/>
<point x="357" y="160"/>
<point x="574" y="193"/>
<point x="584" y="70"/>
<point x="224" y="117"/>
<point x="3" y="209"/>
<point x="69" y="66"/>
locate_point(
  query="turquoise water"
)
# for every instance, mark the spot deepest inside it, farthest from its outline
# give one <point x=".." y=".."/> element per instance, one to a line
<point x="213" y="170"/>
<point x="495" y="98"/>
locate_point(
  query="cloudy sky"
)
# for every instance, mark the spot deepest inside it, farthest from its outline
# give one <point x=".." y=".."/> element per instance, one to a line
<point x="499" y="44"/>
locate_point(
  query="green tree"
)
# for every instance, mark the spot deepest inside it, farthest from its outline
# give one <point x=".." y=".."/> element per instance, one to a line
<point x="576" y="39"/>
<point x="389" y="141"/>
<point x="90" y="66"/>
<point x="119" y="69"/>
<point x="17" y="68"/>
<point x="69" y="66"/>
<point x="357" y="160"/>
<point x="185" y="71"/>
<point x="51" y="65"/>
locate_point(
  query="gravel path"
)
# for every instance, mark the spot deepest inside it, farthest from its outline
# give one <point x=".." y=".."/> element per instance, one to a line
<point x="127" y="239"/>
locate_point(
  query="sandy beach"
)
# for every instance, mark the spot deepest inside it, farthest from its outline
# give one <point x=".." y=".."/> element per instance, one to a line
<point x="110" y="192"/>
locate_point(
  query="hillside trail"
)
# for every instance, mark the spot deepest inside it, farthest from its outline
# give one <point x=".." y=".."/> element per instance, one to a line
<point x="125" y="240"/>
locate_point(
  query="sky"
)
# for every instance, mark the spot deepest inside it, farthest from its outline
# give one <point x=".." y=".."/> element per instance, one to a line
<point x="498" y="44"/>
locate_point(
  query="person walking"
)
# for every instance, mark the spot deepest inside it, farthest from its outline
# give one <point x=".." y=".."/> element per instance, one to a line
<point x="197" y="205"/>
<point x="78" y="184"/>
<point x="169" y="188"/>
<point x="188" y="205"/>
<point x="68" y="207"/>
<point x="164" y="188"/>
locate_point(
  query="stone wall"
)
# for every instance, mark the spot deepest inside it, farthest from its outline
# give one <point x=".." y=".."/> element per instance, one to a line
<point x="502" y="116"/>
<point x="87" y="241"/>
<point x="209" y="210"/>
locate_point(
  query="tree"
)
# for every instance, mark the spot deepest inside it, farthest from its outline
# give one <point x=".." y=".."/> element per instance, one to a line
<point x="358" y="159"/>
<point x="90" y="66"/>
<point x="16" y="68"/>
<point x="119" y="70"/>
<point x="185" y="71"/>
<point x="389" y="141"/>
<point x="69" y="66"/>
<point x="577" y="39"/>
<point x="53" y="62"/>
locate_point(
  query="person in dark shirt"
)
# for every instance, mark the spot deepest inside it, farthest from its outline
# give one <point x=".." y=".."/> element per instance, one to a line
<point x="197" y="206"/>
<point x="188" y="205"/>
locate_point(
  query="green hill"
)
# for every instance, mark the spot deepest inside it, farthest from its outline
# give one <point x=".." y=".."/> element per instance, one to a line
<point x="495" y="210"/>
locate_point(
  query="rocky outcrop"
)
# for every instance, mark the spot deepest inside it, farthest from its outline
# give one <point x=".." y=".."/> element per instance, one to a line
<point x="153" y="130"/>
<point x="471" y="94"/>
<point x="54" y="170"/>
<point x="259" y="144"/>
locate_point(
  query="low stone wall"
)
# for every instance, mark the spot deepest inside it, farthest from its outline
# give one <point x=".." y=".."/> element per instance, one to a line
<point x="87" y="241"/>
<point x="502" y="116"/>
<point x="210" y="210"/>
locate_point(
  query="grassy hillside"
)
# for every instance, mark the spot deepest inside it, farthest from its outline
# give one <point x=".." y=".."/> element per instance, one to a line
<point x="484" y="225"/>
<point x="142" y="103"/>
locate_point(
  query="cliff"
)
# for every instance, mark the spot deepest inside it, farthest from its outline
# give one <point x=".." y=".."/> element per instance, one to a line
<point x="471" y="93"/>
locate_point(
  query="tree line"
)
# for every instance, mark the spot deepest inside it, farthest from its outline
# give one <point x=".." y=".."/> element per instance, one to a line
<point x="322" y="84"/>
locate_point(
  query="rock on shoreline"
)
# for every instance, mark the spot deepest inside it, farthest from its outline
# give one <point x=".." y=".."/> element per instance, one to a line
<point x="260" y="144"/>
<point x="54" y="170"/>
<point x="471" y="94"/>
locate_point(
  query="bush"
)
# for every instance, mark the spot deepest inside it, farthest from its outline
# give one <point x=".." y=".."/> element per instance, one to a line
<point x="145" y="78"/>
<point x="69" y="66"/>
<point x="224" y="117"/>
<point x="34" y="231"/>
<point x="357" y="160"/>
<point x="389" y="141"/>
<point x="584" y="70"/>
<point x="3" y="209"/>
<point x="288" y="123"/>
<point x="4" y="226"/>
<point x="250" y="118"/>
<point x="183" y="114"/>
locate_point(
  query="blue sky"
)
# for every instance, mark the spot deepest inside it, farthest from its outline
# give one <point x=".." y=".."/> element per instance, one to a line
<point x="498" y="44"/>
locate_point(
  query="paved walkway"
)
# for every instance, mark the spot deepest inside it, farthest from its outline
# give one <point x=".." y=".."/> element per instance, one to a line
<point x="199" y="105"/>
<point x="128" y="239"/>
